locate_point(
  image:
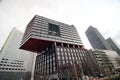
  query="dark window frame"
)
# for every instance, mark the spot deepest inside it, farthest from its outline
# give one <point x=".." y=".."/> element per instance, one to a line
<point x="54" y="29"/>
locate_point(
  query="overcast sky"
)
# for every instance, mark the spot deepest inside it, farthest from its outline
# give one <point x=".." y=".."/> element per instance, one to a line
<point x="102" y="14"/>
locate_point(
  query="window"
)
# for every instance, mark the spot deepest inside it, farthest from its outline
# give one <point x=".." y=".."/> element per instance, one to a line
<point x="57" y="49"/>
<point x="53" y="63"/>
<point x="53" y="58"/>
<point x="69" y="58"/>
<point x="65" y="53"/>
<point x="50" y="59"/>
<point x="58" y="57"/>
<point x="53" y="69"/>
<point x="62" y="57"/>
<point x="63" y="62"/>
<point x="66" y="57"/>
<point x="58" y="53"/>
<point x="4" y="65"/>
<point x="3" y="59"/>
<point x="59" y="63"/>
<point x="54" y="30"/>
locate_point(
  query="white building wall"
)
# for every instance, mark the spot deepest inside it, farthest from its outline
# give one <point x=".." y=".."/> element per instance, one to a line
<point x="12" y="52"/>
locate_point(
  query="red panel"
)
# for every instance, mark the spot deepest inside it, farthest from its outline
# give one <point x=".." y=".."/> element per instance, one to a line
<point x="35" y="45"/>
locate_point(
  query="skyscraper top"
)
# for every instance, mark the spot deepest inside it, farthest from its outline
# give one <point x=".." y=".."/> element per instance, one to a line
<point x="96" y="39"/>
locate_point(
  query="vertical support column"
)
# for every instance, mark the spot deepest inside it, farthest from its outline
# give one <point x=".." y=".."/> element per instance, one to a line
<point x="61" y="64"/>
<point x="68" y="63"/>
<point x="56" y="60"/>
<point x="82" y="73"/>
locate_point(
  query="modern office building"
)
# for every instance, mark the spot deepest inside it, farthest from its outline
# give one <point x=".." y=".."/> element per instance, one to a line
<point x="61" y="54"/>
<point x="96" y="39"/>
<point x="113" y="45"/>
<point x="14" y="60"/>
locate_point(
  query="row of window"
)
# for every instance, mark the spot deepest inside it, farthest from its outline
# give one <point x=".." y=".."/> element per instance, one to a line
<point x="64" y="30"/>
<point x="44" y="20"/>
<point x="40" y="21"/>
<point x="47" y="63"/>
<point x="10" y="65"/>
<point x="11" y="62"/>
<point x="68" y="30"/>
<point x="47" y="71"/>
<point x="10" y="69"/>
<point x="4" y="59"/>
<point x="46" y="58"/>
<point x="70" y="52"/>
<point x="45" y="30"/>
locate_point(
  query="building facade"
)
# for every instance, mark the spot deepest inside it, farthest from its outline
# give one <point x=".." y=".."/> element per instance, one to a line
<point x="96" y="39"/>
<point x="61" y="54"/>
<point x="65" y="62"/>
<point x="114" y="57"/>
<point x="108" y="57"/>
<point x="12" y="59"/>
<point x="103" y="61"/>
<point x="113" y="45"/>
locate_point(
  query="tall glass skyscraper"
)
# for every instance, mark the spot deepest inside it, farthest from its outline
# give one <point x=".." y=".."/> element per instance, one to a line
<point x="96" y="39"/>
<point x="61" y="54"/>
<point x="113" y="45"/>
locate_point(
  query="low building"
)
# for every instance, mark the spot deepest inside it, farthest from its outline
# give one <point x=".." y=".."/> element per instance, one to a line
<point x="106" y="59"/>
<point x="103" y="62"/>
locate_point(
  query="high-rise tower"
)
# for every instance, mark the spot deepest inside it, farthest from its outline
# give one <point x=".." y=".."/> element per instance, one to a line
<point x="96" y="39"/>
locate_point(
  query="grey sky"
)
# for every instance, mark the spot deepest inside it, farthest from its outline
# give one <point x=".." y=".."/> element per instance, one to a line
<point x="102" y="14"/>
